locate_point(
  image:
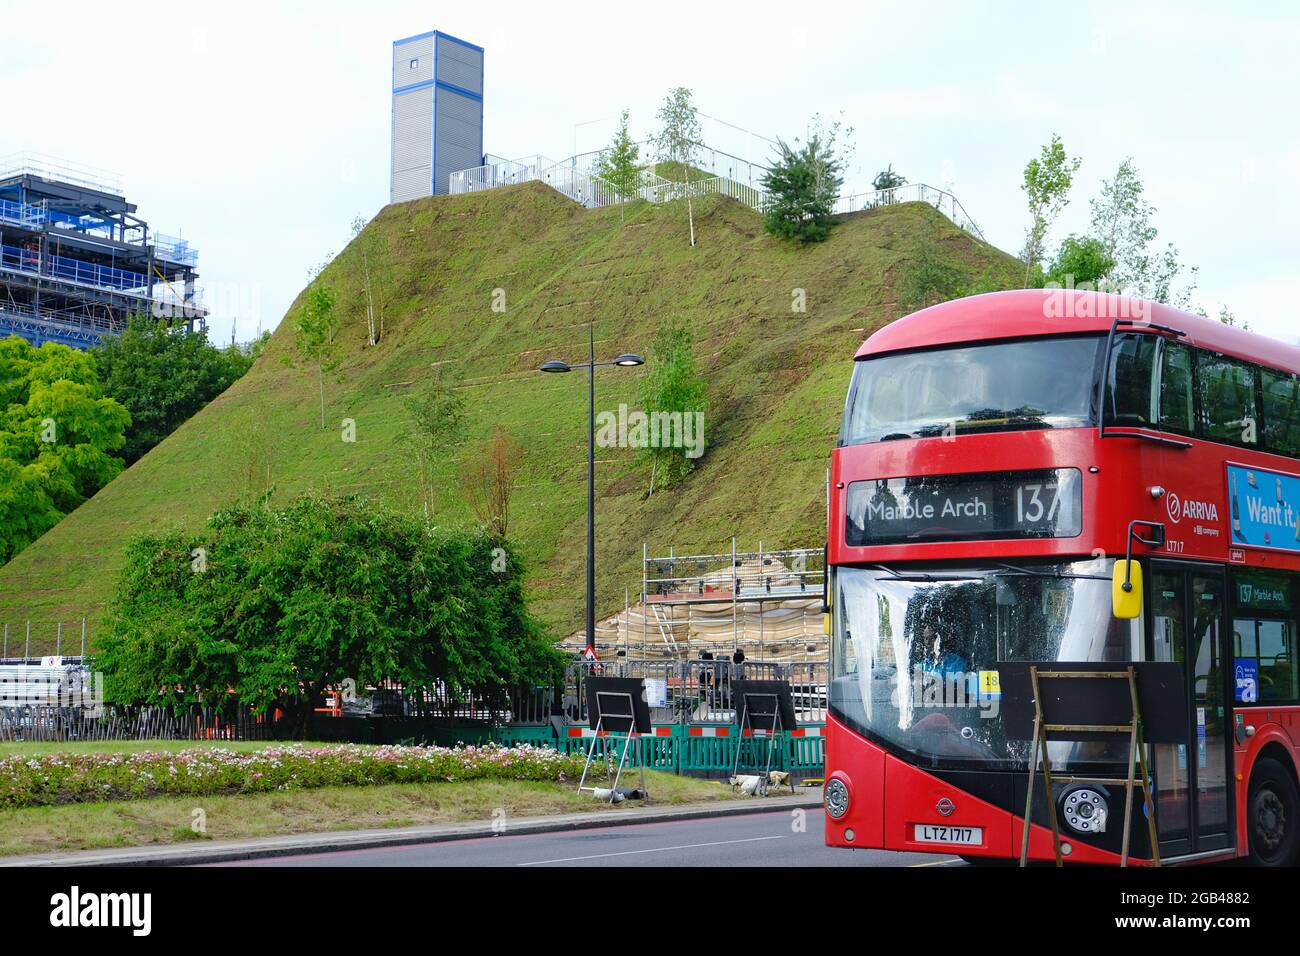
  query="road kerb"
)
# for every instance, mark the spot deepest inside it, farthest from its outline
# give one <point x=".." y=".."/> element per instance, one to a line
<point x="191" y="854"/>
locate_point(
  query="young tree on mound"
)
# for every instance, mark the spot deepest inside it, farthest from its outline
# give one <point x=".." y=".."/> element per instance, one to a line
<point x="313" y="334"/>
<point x="436" y="426"/>
<point x="802" y="186"/>
<point x="619" y="167"/>
<point x="804" y="182"/>
<point x="376" y="275"/>
<point x="679" y="139"/>
<point x="672" y="387"/>
<point x="929" y="279"/>
<point x="490" y="481"/>
<point x="888" y="179"/>
<point x="270" y="607"/>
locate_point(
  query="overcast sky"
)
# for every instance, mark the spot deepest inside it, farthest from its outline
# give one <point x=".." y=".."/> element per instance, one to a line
<point x="258" y="131"/>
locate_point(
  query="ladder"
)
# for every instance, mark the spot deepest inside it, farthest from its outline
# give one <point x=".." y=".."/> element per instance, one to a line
<point x="1136" y="761"/>
<point x="666" y="631"/>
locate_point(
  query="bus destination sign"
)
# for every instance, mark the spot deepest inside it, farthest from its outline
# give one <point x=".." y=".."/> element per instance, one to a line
<point x="973" y="507"/>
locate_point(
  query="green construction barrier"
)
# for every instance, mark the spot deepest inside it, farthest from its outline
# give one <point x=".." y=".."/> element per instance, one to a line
<point x="651" y="751"/>
<point x="681" y="752"/>
<point x="708" y="755"/>
<point x="808" y="753"/>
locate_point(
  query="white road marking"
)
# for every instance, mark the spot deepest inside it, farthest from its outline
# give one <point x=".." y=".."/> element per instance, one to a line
<point x="658" y="849"/>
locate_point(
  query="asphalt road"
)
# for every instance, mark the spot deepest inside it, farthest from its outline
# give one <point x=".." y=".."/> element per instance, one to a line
<point x="760" y="839"/>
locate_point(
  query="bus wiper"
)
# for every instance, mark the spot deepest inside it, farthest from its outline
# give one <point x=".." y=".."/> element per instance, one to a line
<point x="1036" y="573"/>
<point x="921" y="576"/>
<point x="887" y="569"/>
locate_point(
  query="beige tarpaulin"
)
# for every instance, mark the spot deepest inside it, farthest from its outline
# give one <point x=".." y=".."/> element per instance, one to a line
<point x="773" y="628"/>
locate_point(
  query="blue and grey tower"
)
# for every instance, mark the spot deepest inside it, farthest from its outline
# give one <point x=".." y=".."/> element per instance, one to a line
<point x="437" y="113"/>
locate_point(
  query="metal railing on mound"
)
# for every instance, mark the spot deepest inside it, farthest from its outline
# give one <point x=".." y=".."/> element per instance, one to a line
<point x="942" y="200"/>
<point x="579" y="179"/>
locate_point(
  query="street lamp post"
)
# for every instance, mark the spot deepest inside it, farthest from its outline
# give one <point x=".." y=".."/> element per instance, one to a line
<point x="626" y="360"/>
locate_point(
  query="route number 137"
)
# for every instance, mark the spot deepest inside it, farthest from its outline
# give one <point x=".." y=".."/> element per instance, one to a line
<point x="1036" y="504"/>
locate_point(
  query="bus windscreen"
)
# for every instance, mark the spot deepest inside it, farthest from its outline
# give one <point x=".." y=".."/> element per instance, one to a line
<point x="999" y="386"/>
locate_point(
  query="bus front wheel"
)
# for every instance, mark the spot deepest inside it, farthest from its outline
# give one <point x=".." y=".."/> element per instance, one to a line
<point x="1273" y="815"/>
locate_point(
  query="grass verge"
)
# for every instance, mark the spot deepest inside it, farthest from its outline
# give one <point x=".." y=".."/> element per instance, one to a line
<point x="167" y="820"/>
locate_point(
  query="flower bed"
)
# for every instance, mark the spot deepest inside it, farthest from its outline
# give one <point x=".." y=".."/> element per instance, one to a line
<point x="77" y="778"/>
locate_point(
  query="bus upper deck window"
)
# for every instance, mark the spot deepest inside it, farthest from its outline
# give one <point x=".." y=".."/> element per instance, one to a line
<point x="1227" y="394"/>
<point x="1132" y="398"/>
<point x="1177" y="406"/>
<point x="1281" y="391"/>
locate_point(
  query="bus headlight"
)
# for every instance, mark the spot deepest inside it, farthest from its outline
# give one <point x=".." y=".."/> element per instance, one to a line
<point x="836" y="798"/>
<point x="1085" y="810"/>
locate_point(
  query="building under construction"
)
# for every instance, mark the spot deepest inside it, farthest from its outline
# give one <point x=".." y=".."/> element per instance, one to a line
<point x="765" y="603"/>
<point x="76" y="260"/>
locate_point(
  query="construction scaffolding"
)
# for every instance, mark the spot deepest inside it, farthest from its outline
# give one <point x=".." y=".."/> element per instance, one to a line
<point x="76" y="260"/>
<point x="766" y="604"/>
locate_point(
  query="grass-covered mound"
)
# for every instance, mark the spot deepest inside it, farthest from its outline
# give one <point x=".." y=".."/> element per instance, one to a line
<point x="776" y="382"/>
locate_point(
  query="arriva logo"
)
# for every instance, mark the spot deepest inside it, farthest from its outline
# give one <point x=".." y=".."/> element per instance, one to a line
<point x="1196" y="510"/>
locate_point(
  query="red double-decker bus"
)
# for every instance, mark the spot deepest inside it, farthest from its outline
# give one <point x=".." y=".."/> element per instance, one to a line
<point x="995" y="455"/>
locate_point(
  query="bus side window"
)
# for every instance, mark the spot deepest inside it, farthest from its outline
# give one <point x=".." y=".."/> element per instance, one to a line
<point x="1281" y="413"/>
<point x="1227" y="393"/>
<point x="1264" y="637"/>
<point x="1177" y="407"/>
<point x="1131" y="399"/>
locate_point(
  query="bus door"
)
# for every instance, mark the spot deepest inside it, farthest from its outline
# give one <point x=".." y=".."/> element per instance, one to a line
<point x="1188" y="610"/>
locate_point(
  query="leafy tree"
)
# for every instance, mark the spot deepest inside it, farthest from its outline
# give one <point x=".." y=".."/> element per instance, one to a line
<point x="436" y="425"/>
<point x="888" y="179"/>
<point x="313" y="334"/>
<point x="1165" y="271"/>
<point x="163" y="377"/>
<point x="1121" y="221"/>
<point x="1081" y="262"/>
<point x="802" y="186"/>
<point x="255" y="348"/>
<point x="671" y="385"/>
<point x="928" y="279"/>
<point x="1047" y="183"/>
<point x="619" y="167"/>
<point x="288" y="602"/>
<point x="679" y="139"/>
<point x="56" y="433"/>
